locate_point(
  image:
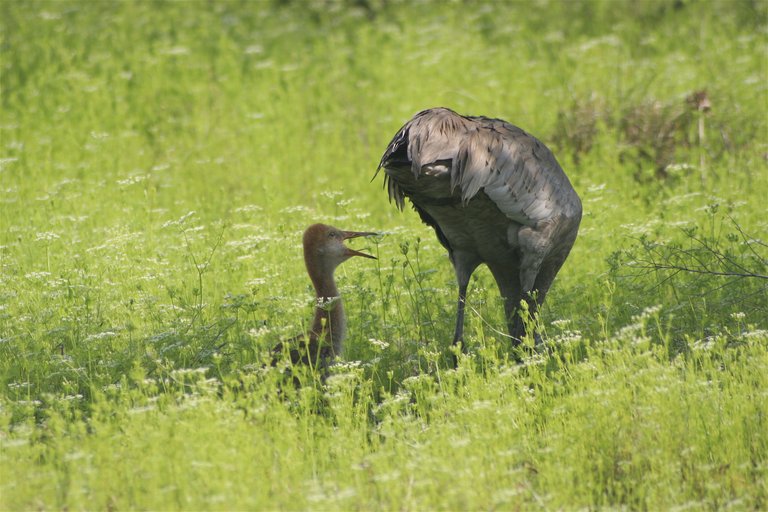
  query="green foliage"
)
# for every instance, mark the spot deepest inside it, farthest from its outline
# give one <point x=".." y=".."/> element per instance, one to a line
<point x="160" y="160"/>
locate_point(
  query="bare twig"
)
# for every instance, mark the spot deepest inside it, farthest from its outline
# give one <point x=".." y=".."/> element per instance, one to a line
<point x="681" y="268"/>
<point x="705" y="256"/>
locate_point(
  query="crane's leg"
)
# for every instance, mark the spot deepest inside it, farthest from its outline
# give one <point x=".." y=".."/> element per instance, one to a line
<point x="550" y="267"/>
<point x="544" y="250"/>
<point x="458" y="332"/>
<point x="463" y="264"/>
<point x="508" y="280"/>
<point x="535" y="244"/>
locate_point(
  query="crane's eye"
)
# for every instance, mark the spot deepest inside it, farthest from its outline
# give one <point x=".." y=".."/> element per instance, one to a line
<point x="333" y="234"/>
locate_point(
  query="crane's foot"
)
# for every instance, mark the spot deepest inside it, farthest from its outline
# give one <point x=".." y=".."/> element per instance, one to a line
<point x="520" y="351"/>
<point x="456" y="348"/>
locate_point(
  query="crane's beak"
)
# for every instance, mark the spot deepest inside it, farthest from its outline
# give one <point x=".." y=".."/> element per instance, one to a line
<point x="355" y="234"/>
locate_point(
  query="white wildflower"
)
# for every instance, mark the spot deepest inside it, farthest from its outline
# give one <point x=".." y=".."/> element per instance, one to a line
<point x="176" y="50"/>
<point x="381" y="345"/>
<point x="46" y="236"/>
<point x="101" y="336"/>
<point x="249" y="208"/>
<point x="37" y="275"/>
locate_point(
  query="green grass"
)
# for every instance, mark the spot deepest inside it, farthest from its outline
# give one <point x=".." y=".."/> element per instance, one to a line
<point x="159" y="161"/>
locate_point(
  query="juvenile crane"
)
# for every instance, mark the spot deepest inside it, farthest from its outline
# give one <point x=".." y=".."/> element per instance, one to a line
<point x="493" y="194"/>
<point x="324" y="250"/>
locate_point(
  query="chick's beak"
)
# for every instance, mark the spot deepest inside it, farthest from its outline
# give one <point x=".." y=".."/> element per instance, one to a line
<point x="354" y="234"/>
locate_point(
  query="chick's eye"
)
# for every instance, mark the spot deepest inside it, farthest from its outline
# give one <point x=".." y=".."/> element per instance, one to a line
<point x="332" y="234"/>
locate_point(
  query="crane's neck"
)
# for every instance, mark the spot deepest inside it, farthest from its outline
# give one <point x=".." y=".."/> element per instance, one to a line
<point x="329" y="322"/>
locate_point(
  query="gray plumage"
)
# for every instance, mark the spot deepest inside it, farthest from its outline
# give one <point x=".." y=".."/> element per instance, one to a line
<point x="493" y="194"/>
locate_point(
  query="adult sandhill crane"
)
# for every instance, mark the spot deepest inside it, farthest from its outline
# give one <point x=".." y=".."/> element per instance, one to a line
<point x="493" y="194"/>
<point x="324" y="250"/>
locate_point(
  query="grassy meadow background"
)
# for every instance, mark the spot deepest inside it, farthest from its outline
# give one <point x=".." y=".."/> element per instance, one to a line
<point x="160" y="160"/>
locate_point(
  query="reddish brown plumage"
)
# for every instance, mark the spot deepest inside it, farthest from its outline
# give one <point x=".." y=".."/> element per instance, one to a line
<point x="324" y="251"/>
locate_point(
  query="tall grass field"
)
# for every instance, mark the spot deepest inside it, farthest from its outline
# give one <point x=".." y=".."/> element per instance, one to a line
<point x="159" y="162"/>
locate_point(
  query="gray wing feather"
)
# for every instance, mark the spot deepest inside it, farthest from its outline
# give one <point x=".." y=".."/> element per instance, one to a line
<point x="431" y="139"/>
<point x="516" y="171"/>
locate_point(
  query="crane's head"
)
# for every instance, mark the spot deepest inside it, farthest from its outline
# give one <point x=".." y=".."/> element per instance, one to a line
<point x="324" y="246"/>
